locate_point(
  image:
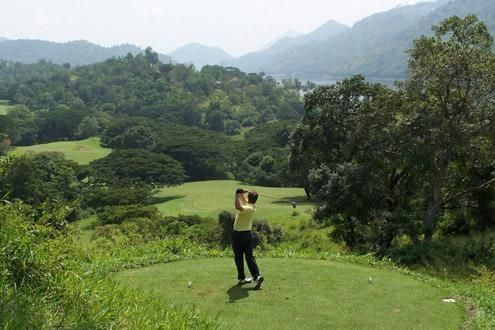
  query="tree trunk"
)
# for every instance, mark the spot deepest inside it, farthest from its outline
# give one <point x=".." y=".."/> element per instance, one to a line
<point x="307" y="192"/>
<point x="433" y="210"/>
<point x="485" y="209"/>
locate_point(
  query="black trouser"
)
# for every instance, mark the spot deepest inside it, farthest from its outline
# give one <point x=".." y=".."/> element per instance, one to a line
<point x="242" y="243"/>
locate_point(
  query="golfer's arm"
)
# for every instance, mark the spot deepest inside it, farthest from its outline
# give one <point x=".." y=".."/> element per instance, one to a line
<point x="238" y="205"/>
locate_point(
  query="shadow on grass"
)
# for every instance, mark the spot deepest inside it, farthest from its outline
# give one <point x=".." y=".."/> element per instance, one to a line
<point x="237" y="292"/>
<point x="299" y="200"/>
<point x="163" y="199"/>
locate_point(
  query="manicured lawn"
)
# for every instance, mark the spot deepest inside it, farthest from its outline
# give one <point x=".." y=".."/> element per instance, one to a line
<point x="209" y="198"/>
<point x="82" y="152"/>
<point x="4" y="107"/>
<point x="300" y="294"/>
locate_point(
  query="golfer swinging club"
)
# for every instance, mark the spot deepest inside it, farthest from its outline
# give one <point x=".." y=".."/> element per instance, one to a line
<point x="242" y="237"/>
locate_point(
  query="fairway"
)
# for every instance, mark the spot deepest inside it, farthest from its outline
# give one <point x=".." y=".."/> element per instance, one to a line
<point x="209" y="198"/>
<point x="82" y="152"/>
<point x="4" y="107"/>
<point x="300" y="294"/>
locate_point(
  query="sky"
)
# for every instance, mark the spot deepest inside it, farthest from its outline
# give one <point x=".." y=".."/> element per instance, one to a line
<point x="237" y="26"/>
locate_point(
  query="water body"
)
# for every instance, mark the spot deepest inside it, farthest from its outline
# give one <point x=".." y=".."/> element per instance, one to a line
<point x="329" y="80"/>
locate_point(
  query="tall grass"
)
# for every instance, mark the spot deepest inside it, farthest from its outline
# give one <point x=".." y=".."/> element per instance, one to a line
<point x="46" y="281"/>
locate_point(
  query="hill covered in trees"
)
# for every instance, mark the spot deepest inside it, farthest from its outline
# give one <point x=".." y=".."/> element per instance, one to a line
<point x="200" y="55"/>
<point x="79" y="52"/>
<point x="139" y="102"/>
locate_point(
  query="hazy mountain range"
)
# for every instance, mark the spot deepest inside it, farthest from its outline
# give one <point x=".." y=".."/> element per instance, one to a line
<point x="200" y="55"/>
<point x="78" y="52"/>
<point x="375" y="46"/>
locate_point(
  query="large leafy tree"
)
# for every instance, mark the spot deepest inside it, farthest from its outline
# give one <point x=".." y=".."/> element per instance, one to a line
<point x="40" y="177"/>
<point x="450" y="95"/>
<point x="138" y="167"/>
<point x="350" y="145"/>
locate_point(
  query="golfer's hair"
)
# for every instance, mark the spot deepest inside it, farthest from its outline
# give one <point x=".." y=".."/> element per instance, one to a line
<point x="252" y="197"/>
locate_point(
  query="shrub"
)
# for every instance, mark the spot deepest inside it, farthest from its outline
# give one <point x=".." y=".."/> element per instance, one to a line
<point x="263" y="233"/>
<point x="450" y="256"/>
<point x="112" y="195"/>
<point x="138" y="230"/>
<point x="118" y="214"/>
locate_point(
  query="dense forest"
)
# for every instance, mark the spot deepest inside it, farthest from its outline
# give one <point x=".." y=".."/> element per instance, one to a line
<point x="404" y="174"/>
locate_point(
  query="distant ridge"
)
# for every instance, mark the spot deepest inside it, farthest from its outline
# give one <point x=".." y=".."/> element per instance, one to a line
<point x="79" y="52"/>
<point x="200" y="55"/>
<point x="264" y="59"/>
<point x="375" y="46"/>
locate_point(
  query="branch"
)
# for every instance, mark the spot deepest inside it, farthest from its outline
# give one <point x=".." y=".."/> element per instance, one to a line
<point x="459" y="194"/>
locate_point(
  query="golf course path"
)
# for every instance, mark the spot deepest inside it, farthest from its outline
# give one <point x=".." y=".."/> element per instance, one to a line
<point x="300" y="294"/>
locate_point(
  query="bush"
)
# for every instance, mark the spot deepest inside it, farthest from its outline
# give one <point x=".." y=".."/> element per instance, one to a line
<point x="139" y="230"/>
<point x="118" y="214"/>
<point x="45" y="283"/>
<point x="226" y="222"/>
<point x="263" y="233"/>
<point x="450" y="256"/>
<point x="112" y="195"/>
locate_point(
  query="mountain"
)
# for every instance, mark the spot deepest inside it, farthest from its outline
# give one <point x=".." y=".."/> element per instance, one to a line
<point x="263" y="60"/>
<point x="78" y="52"/>
<point x="3" y="39"/>
<point x="200" y="55"/>
<point x="375" y="46"/>
<point x="326" y="31"/>
<point x="290" y="34"/>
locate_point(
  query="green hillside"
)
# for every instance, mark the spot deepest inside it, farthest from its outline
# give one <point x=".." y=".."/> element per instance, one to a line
<point x="82" y="152"/>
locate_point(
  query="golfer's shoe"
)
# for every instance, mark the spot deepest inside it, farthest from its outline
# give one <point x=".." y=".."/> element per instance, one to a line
<point x="257" y="282"/>
<point x="245" y="280"/>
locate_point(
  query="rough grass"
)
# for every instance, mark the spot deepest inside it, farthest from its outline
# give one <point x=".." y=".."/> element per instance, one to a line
<point x="82" y="152"/>
<point x="297" y="293"/>
<point x="85" y="227"/>
<point x="209" y="198"/>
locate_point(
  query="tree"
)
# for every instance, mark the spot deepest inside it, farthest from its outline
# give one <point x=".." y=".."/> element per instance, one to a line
<point x="450" y="91"/>
<point x="25" y="120"/>
<point x="140" y="136"/>
<point x="349" y="147"/>
<point x="88" y="127"/>
<point x="137" y="167"/>
<point x="40" y="177"/>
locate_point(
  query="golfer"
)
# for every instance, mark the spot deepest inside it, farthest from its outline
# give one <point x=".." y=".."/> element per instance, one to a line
<point x="242" y="237"/>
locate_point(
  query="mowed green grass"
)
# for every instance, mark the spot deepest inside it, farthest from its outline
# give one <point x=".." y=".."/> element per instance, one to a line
<point x="4" y="107"/>
<point x="300" y="294"/>
<point x="209" y="198"/>
<point x="82" y="152"/>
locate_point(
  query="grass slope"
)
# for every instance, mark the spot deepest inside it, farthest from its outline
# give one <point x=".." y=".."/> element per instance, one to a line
<point x="209" y="198"/>
<point x="4" y="107"/>
<point x="307" y="294"/>
<point x="82" y="152"/>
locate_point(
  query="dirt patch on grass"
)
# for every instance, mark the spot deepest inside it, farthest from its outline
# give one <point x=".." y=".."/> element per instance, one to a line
<point x="84" y="148"/>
